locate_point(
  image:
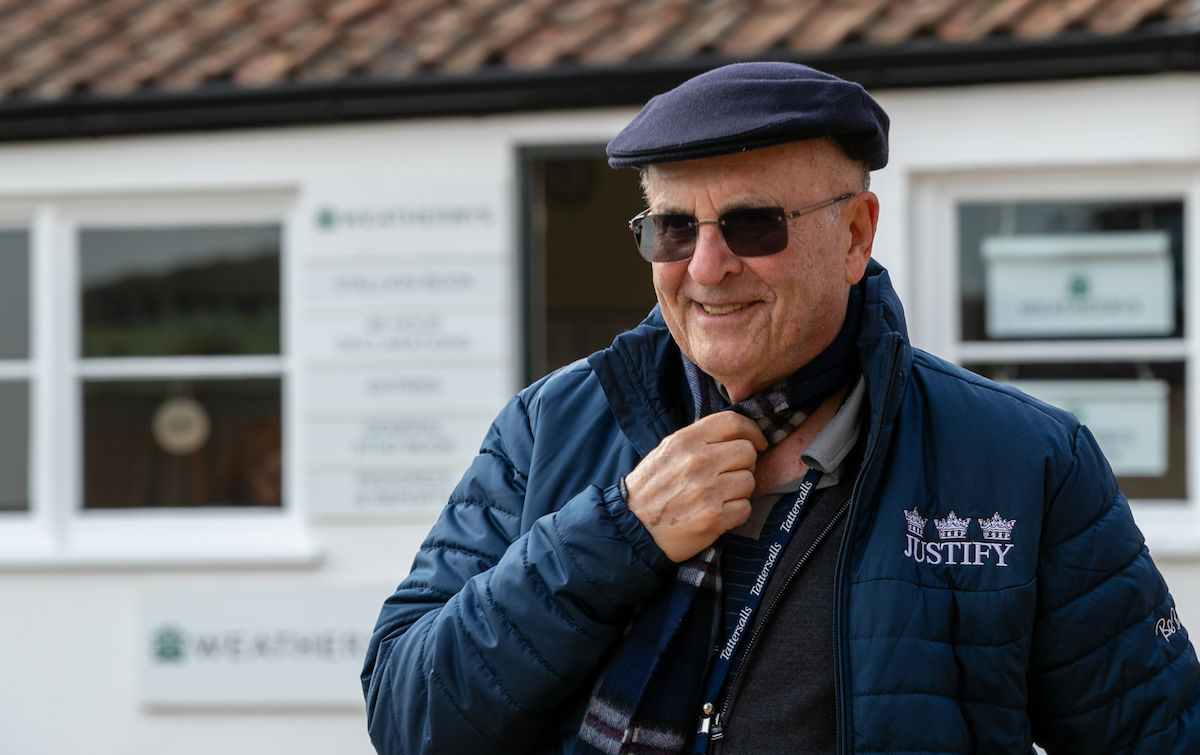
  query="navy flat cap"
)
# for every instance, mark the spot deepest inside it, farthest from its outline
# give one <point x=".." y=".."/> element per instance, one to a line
<point x="747" y="106"/>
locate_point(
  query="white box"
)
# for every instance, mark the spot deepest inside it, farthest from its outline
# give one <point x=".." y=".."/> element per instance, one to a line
<point x="1115" y="284"/>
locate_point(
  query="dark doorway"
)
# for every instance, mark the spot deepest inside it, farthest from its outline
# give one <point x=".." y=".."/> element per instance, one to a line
<point x="584" y="280"/>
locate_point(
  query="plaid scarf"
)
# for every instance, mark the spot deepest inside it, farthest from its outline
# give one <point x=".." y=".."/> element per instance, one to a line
<point x="647" y="698"/>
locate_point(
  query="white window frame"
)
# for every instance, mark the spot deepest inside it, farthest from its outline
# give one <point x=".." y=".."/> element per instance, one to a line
<point x="57" y="531"/>
<point x="1172" y="527"/>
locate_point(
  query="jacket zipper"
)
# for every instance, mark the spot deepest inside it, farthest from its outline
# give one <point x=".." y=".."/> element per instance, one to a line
<point x="718" y="723"/>
<point x="717" y="731"/>
<point x="837" y="575"/>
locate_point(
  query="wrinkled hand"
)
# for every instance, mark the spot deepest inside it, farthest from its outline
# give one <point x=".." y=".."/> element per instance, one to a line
<point x="697" y="483"/>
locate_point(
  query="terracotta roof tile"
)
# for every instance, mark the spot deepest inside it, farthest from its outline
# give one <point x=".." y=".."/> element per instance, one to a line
<point x="151" y="60"/>
<point x="834" y="23"/>
<point x="224" y="52"/>
<point x="278" y="16"/>
<point x="517" y="20"/>
<point x="263" y="69"/>
<point x="54" y="48"/>
<point x="572" y="29"/>
<point x="439" y="33"/>
<point x="345" y="11"/>
<point x="703" y="30"/>
<point x="367" y="36"/>
<point x="976" y="20"/>
<point x="902" y="20"/>
<point x="27" y="65"/>
<point x="6" y="6"/>
<point x="195" y="33"/>
<point x="1117" y="17"/>
<point x="1048" y="19"/>
<point x="150" y="18"/>
<point x="27" y="26"/>
<point x="766" y="28"/>
<point x="494" y="31"/>
<point x="408" y="46"/>
<point x="1186" y="11"/>
<point x="647" y="24"/>
<point x="358" y="46"/>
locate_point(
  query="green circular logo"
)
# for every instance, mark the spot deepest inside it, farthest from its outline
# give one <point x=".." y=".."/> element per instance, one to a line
<point x="169" y="645"/>
<point x="326" y="218"/>
<point x="1079" y="286"/>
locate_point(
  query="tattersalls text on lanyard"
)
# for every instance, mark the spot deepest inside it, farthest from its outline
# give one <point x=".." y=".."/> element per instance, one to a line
<point x="733" y="648"/>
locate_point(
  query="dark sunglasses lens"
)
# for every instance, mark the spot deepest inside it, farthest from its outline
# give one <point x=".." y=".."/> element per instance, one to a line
<point x="667" y="238"/>
<point x="755" y="232"/>
<point x="752" y="232"/>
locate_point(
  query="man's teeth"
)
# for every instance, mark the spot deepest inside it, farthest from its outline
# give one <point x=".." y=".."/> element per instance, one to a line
<point x="712" y="310"/>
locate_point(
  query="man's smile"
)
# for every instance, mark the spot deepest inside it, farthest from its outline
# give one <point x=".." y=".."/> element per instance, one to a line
<point x="722" y="309"/>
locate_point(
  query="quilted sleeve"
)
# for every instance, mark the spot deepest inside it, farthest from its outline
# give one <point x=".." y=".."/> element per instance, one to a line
<point x="495" y="628"/>
<point x="1111" y="669"/>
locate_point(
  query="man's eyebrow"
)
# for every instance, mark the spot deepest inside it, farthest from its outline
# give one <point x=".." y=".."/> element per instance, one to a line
<point x="670" y="209"/>
<point x="747" y="201"/>
<point x="738" y="203"/>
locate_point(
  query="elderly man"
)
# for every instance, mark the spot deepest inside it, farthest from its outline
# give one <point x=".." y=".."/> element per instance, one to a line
<point x="872" y="551"/>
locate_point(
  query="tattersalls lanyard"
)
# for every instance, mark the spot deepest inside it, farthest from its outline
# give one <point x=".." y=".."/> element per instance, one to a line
<point x="733" y="649"/>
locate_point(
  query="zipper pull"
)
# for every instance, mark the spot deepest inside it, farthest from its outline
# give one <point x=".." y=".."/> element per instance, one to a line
<point x="709" y="729"/>
<point x="706" y="719"/>
<point x="717" y="731"/>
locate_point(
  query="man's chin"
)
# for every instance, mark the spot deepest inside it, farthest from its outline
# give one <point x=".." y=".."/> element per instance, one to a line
<point x="728" y="370"/>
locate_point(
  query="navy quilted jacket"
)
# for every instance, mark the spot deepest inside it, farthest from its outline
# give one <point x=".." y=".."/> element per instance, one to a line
<point x="993" y="589"/>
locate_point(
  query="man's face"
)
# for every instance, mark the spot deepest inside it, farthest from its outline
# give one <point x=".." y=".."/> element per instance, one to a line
<point x="751" y="321"/>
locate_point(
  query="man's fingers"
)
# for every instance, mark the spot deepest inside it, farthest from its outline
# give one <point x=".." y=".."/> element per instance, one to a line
<point x="735" y="513"/>
<point x="724" y="426"/>
<point x="697" y="483"/>
<point x="727" y="456"/>
<point x="735" y="484"/>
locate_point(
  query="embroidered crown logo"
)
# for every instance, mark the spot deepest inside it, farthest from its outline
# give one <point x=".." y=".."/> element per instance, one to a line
<point x="997" y="528"/>
<point x="916" y="522"/>
<point x="952" y="527"/>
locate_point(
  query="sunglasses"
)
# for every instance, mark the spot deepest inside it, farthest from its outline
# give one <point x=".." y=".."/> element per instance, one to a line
<point x="748" y="232"/>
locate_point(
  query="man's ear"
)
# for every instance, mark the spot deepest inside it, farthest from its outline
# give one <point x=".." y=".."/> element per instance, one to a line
<point x="864" y="217"/>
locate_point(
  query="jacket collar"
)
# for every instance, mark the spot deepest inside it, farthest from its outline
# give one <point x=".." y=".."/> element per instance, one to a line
<point x="641" y="374"/>
<point x="883" y="347"/>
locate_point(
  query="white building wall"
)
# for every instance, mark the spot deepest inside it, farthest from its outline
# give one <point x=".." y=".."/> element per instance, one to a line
<point x="70" y="640"/>
<point x="71" y="645"/>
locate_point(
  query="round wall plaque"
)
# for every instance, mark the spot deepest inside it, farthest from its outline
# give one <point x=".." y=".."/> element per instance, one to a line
<point x="180" y="425"/>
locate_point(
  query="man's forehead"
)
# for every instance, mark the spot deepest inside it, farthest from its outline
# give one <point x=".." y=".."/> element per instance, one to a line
<point x="768" y="176"/>
<point x="747" y="106"/>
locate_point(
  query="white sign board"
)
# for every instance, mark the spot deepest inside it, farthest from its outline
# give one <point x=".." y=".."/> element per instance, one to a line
<point x="405" y="219"/>
<point x="385" y="489"/>
<point x="397" y="334"/>
<point x="1127" y="417"/>
<point x="232" y="648"/>
<point x="408" y="342"/>
<point x="408" y="282"/>
<point x="368" y="389"/>
<point x="1102" y="284"/>
<point x="422" y="439"/>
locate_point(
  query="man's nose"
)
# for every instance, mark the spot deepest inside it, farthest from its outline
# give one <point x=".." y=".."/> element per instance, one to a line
<point x="712" y="259"/>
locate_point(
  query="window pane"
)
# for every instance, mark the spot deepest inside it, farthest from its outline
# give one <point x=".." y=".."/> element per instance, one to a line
<point x="14" y="295"/>
<point x="14" y="446"/>
<point x="157" y="443"/>
<point x="1136" y="410"/>
<point x="1031" y="270"/>
<point x="179" y="291"/>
